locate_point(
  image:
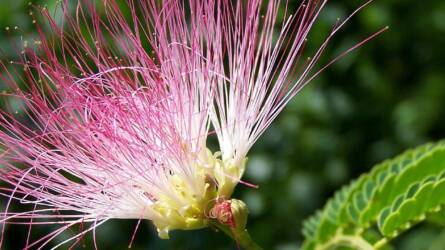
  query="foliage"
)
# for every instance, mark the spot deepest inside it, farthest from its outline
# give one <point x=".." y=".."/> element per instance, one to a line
<point x="393" y="197"/>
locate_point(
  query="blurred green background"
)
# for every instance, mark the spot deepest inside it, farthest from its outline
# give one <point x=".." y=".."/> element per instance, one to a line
<point x="386" y="97"/>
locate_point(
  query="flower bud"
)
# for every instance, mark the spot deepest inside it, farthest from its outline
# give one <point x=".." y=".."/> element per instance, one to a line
<point x="232" y="213"/>
<point x="239" y="213"/>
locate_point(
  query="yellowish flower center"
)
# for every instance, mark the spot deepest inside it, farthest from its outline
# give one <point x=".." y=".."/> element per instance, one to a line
<point x="189" y="200"/>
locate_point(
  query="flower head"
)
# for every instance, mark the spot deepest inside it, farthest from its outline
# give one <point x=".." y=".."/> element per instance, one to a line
<point x="118" y="110"/>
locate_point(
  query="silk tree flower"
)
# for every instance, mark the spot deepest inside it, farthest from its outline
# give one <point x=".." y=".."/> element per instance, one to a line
<point x="118" y="103"/>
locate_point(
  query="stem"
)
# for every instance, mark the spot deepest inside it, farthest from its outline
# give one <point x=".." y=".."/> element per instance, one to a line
<point x="242" y="237"/>
<point x="379" y="244"/>
<point x="349" y="241"/>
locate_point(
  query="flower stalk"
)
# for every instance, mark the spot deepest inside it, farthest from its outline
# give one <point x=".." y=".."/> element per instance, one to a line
<point x="242" y="238"/>
<point x="230" y="217"/>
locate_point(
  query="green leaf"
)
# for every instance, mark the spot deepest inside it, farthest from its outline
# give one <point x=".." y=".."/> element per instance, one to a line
<point x="394" y="196"/>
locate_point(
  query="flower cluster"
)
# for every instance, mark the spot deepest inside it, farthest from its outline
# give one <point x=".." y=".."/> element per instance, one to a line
<point x="118" y="103"/>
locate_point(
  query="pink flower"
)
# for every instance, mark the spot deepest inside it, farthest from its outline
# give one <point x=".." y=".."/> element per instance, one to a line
<point x="117" y="111"/>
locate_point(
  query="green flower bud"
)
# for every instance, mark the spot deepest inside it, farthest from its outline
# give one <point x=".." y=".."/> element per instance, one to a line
<point x="239" y="213"/>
